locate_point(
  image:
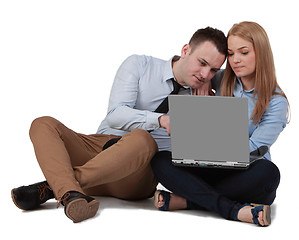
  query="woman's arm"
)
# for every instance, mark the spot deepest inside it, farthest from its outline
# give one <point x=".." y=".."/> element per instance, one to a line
<point x="271" y="125"/>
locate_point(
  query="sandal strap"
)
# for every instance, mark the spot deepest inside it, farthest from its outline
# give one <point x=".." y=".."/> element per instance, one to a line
<point x="166" y="199"/>
<point x="255" y="214"/>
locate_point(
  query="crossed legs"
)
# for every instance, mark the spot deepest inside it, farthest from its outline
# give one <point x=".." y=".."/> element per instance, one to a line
<point x="74" y="162"/>
<point x="221" y="191"/>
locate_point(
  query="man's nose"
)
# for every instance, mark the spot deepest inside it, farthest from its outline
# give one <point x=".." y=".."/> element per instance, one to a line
<point x="204" y="73"/>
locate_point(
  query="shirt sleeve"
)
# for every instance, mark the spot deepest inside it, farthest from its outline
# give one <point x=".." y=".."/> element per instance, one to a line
<point x="271" y="125"/>
<point x="122" y="114"/>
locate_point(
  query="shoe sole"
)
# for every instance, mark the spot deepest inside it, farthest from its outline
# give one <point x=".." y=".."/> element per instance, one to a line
<point x="266" y="214"/>
<point x="80" y="210"/>
<point x="14" y="200"/>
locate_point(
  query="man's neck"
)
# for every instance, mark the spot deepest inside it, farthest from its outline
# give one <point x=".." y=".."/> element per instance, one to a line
<point x="175" y="69"/>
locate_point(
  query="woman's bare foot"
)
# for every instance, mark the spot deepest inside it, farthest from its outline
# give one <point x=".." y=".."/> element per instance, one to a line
<point x="175" y="203"/>
<point x="245" y="215"/>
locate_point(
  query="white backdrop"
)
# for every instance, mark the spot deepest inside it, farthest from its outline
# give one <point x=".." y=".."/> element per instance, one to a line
<point x="59" y="58"/>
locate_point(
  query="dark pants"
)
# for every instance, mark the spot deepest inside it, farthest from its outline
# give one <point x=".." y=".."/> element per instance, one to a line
<point x="219" y="190"/>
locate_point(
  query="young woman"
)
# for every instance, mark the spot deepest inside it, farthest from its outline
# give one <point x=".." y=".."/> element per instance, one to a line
<point x="244" y="195"/>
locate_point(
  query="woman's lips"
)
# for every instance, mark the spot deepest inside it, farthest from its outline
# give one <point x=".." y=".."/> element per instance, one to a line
<point x="237" y="69"/>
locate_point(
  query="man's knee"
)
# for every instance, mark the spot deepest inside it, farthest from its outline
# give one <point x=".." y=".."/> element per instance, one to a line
<point x="40" y="123"/>
<point x="144" y="140"/>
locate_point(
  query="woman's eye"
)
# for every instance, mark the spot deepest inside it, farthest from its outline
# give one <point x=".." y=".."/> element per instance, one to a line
<point x="244" y="53"/>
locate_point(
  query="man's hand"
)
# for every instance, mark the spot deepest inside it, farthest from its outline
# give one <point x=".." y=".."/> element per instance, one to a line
<point x="204" y="90"/>
<point x="165" y="123"/>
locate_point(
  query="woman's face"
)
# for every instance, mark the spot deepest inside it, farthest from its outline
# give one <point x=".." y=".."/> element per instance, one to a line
<point x="241" y="57"/>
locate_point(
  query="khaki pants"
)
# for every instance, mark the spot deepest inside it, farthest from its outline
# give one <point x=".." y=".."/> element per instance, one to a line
<point x="74" y="161"/>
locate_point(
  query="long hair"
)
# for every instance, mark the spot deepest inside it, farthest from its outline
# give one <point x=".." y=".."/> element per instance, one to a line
<point x="265" y="77"/>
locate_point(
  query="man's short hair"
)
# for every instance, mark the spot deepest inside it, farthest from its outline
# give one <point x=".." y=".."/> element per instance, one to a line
<point x="209" y="34"/>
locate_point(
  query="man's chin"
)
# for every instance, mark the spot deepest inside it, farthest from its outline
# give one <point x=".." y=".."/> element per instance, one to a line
<point x="197" y="85"/>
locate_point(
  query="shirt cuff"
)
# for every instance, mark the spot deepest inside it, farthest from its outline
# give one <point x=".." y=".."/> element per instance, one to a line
<point x="152" y="120"/>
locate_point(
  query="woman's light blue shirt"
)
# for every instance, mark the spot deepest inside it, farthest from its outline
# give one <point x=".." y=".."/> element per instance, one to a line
<point x="273" y="121"/>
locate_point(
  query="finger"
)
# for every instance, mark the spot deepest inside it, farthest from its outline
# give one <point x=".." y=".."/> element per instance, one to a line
<point x="203" y="92"/>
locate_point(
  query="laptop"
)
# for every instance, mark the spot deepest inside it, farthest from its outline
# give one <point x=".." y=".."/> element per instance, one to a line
<point x="211" y="131"/>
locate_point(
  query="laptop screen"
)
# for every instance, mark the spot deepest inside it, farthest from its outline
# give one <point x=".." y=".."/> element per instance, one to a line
<point x="209" y="128"/>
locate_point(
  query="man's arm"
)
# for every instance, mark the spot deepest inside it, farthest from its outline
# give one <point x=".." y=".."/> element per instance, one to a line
<point x="122" y="114"/>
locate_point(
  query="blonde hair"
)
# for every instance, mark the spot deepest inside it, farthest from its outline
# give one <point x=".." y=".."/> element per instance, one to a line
<point x="265" y="77"/>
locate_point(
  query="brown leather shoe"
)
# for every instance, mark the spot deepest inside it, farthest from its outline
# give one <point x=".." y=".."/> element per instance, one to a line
<point x="79" y="207"/>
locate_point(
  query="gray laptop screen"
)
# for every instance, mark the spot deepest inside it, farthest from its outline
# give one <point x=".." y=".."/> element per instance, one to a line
<point x="209" y="128"/>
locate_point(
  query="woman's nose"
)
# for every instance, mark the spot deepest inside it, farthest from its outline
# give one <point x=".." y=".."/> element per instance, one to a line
<point x="236" y="58"/>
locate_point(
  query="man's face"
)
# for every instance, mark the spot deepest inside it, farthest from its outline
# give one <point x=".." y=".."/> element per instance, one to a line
<point x="199" y="65"/>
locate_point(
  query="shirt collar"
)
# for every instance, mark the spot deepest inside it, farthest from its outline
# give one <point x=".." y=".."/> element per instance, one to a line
<point x="168" y="72"/>
<point x="239" y="87"/>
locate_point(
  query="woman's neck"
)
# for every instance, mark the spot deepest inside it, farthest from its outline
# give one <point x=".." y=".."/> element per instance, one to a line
<point x="248" y="82"/>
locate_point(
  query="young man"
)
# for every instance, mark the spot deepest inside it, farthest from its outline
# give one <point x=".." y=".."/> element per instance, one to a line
<point x="77" y="165"/>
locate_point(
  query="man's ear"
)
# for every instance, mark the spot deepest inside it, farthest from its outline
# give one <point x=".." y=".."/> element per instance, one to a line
<point x="185" y="50"/>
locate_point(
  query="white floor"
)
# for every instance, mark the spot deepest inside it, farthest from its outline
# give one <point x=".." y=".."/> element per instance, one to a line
<point x="118" y="219"/>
